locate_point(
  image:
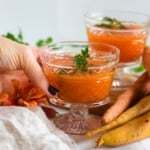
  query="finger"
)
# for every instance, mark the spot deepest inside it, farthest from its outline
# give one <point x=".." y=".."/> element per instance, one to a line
<point x="34" y="71"/>
<point x="36" y="52"/>
<point x="9" y="52"/>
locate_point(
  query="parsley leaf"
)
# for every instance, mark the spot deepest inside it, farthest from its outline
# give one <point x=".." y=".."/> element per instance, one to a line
<point x="80" y="60"/>
<point x="44" y="42"/>
<point x="108" y="22"/>
<point x="40" y="43"/>
<point x="20" y="39"/>
<point x="20" y="35"/>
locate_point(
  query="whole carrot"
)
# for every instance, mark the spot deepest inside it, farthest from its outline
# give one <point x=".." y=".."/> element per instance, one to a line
<point x="140" y="108"/>
<point x="140" y="89"/>
<point x="134" y="130"/>
<point x="122" y="103"/>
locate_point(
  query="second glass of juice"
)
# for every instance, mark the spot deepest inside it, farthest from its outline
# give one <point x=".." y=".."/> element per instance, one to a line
<point x="126" y="30"/>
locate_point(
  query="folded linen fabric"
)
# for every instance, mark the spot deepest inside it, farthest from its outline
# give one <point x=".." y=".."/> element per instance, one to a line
<point x="25" y="129"/>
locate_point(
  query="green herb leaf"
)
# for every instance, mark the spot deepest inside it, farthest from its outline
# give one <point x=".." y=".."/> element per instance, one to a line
<point x="10" y="36"/>
<point x="106" y="18"/>
<point x="20" y="35"/>
<point x="18" y="38"/>
<point x="138" y="69"/>
<point x="44" y="42"/>
<point x="48" y="40"/>
<point x="80" y="60"/>
<point x="108" y="22"/>
<point x="39" y="43"/>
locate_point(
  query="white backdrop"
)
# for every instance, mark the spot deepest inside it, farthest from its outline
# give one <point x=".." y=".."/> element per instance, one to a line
<point x="61" y="19"/>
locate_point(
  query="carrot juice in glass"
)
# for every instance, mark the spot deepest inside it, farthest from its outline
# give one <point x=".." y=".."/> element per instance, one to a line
<point x="83" y="77"/>
<point x="126" y="30"/>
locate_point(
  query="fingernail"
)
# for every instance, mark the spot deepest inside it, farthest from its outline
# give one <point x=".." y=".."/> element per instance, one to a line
<point x="52" y="90"/>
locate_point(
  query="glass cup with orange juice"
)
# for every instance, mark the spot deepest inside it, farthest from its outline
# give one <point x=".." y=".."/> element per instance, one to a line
<point x="126" y="30"/>
<point x="83" y="75"/>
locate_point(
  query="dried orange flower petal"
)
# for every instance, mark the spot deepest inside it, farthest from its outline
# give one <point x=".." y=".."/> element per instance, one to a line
<point x="31" y="104"/>
<point x="35" y="93"/>
<point x="6" y="100"/>
<point x="43" y="100"/>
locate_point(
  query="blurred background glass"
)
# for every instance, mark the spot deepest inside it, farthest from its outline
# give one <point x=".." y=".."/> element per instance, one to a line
<point x="61" y="19"/>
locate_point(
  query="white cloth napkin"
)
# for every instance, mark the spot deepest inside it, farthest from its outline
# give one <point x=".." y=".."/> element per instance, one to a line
<point x="23" y="129"/>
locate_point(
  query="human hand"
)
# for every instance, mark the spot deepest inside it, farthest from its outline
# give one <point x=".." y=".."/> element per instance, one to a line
<point x="20" y="62"/>
<point x="140" y="89"/>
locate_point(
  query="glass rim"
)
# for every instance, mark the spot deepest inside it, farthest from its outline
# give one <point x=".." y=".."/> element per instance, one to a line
<point x="115" y="55"/>
<point x="101" y="14"/>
